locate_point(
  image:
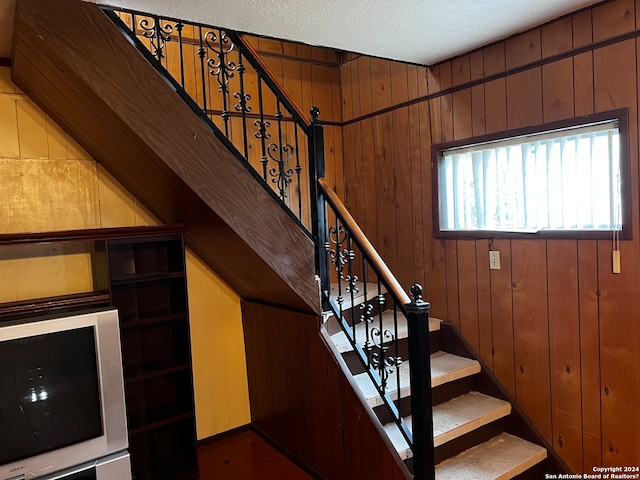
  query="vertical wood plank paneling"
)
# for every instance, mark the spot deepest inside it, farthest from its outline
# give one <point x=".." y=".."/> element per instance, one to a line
<point x="446" y="132"/>
<point x="462" y="117"/>
<point x="460" y="70"/>
<point x="383" y="186"/>
<point x="380" y="84"/>
<point x="583" y="83"/>
<point x="582" y="29"/>
<point x="292" y="365"/>
<point x="346" y="93"/>
<point x="615" y="75"/>
<point x="564" y="329"/>
<point x="478" y="120"/>
<point x="476" y="65"/>
<point x="485" y="330"/>
<point x="355" y="88"/>
<point x="495" y="94"/>
<point x="365" y="85"/>
<point x="451" y="266"/>
<point x="524" y="99"/>
<point x="468" y="291"/>
<point x="523" y="49"/>
<point x="494" y="59"/>
<point x="358" y="159"/>
<point x="417" y="191"/>
<point x="531" y="331"/>
<point x="403" y="239"/>
<point x="589" y="353"/>
<point x="349" y="170"/>
<point x="613" y="19"/>
<point x="370" y="204"/>
<point x="412" y="81"/>
<point x="399" y="82"/>
<point x="557" y="37"/>
<point x="557" y="90"/>
<point x="502" y="317"/>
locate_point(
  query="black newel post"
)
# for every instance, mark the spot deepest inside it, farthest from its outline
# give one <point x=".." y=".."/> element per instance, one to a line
<point x="421" y="402"/>
<point x="318" y="206"/>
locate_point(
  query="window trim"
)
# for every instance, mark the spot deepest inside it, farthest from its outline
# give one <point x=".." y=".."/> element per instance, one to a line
<point x="619" y="115"/>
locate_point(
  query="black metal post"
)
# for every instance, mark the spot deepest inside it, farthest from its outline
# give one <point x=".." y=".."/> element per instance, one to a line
<point x="421" y="401"/>
<point x="318" y="206"/>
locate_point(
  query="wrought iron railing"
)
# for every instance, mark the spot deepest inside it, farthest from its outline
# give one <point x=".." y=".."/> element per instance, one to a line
<point x="219" y="75"/>
<point x="374" y="313"/>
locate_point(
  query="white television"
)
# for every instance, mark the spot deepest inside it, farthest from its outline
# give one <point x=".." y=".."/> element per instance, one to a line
<point x="61" y="393"/>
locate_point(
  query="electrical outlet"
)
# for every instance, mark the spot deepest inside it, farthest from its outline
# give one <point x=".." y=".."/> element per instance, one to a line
<point x="494" y="259"/>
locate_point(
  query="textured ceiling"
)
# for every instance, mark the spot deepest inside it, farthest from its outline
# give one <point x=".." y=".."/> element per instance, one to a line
<point x="418" y="31"/>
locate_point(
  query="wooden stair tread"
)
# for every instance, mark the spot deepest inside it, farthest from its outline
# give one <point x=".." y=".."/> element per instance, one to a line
<point x="361" y="329"/>
<point x="464" y="414"/>
<point x="445" y="367"/>
<point x="453" y="419"/>
<point x="502" y="457"/>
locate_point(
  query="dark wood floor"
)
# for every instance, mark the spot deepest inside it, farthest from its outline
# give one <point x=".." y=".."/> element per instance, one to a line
<point x="246" y="456"/>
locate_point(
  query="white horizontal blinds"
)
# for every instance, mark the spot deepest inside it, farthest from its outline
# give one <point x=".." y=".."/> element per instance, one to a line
<point x="566" y="180"/>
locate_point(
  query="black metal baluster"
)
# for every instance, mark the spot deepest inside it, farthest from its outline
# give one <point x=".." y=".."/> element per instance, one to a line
<point x="158" y="32"/>
<point x="263" y="130"/>
<point x="224" y="84"/>
<point x="366" y="313"/>
<point x="281" y="171"/>
<point x="244" y="108"/>
<point x="381" y="350"/>
<point x="179" y="27"/>
<point x="351" y="284"/>
<point x="202" y="54"/>
<point x="397" y="359"/>
<point x="298" y="168"/>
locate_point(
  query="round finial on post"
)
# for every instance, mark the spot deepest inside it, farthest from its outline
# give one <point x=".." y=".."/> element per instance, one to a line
<point x="416" y="292"/>
<point x="315" y="112"/>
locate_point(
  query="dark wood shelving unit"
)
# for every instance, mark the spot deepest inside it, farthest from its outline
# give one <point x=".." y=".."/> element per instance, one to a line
<point x="141" y="272"/>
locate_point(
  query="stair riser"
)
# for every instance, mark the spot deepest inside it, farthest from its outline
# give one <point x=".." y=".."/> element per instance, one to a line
<point x="471" y="439"/>
<point x="440" y="394"/>
<point x="353" y="314"/>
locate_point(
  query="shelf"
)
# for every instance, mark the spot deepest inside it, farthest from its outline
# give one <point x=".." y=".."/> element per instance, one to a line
<point x="130" y="278"/>
<point x="140" y="271"/>
<point x="153" y="369"/>
<point x="149" y="318"/>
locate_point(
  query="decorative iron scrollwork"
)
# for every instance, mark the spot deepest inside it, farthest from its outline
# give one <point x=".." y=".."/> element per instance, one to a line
<point x="281" y="175"/>
<point x="219" y="66"/>
<point x="380" y="341"/>
<point x="158" y="33"/>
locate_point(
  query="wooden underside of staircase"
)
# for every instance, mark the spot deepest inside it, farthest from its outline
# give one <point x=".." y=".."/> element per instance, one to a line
<point x="301" y="399"/>
<point x="76" y="65"/>
<point x="477" y="435"/>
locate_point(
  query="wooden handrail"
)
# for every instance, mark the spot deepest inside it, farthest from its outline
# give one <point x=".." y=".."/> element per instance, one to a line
<point x="283" y="92"/>
<point x="368" y="249"/>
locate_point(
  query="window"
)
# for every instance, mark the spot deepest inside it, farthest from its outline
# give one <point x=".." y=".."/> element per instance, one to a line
<point x="562" y="179"/>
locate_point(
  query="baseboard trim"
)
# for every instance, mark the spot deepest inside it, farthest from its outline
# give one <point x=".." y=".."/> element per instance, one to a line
<point x="221" y="436"/>
<point x="299" y="463"/>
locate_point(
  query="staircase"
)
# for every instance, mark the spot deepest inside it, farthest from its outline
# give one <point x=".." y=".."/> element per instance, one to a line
<point x="468" y="426"/>
<point x="172" y="170"/>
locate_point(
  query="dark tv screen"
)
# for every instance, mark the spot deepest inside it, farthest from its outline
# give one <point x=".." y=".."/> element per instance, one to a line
<point x="49" y="393"/>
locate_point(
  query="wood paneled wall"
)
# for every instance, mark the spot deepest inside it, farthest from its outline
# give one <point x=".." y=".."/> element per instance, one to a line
<point x="559" y="329"/>
<point x="301" y="398"/>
